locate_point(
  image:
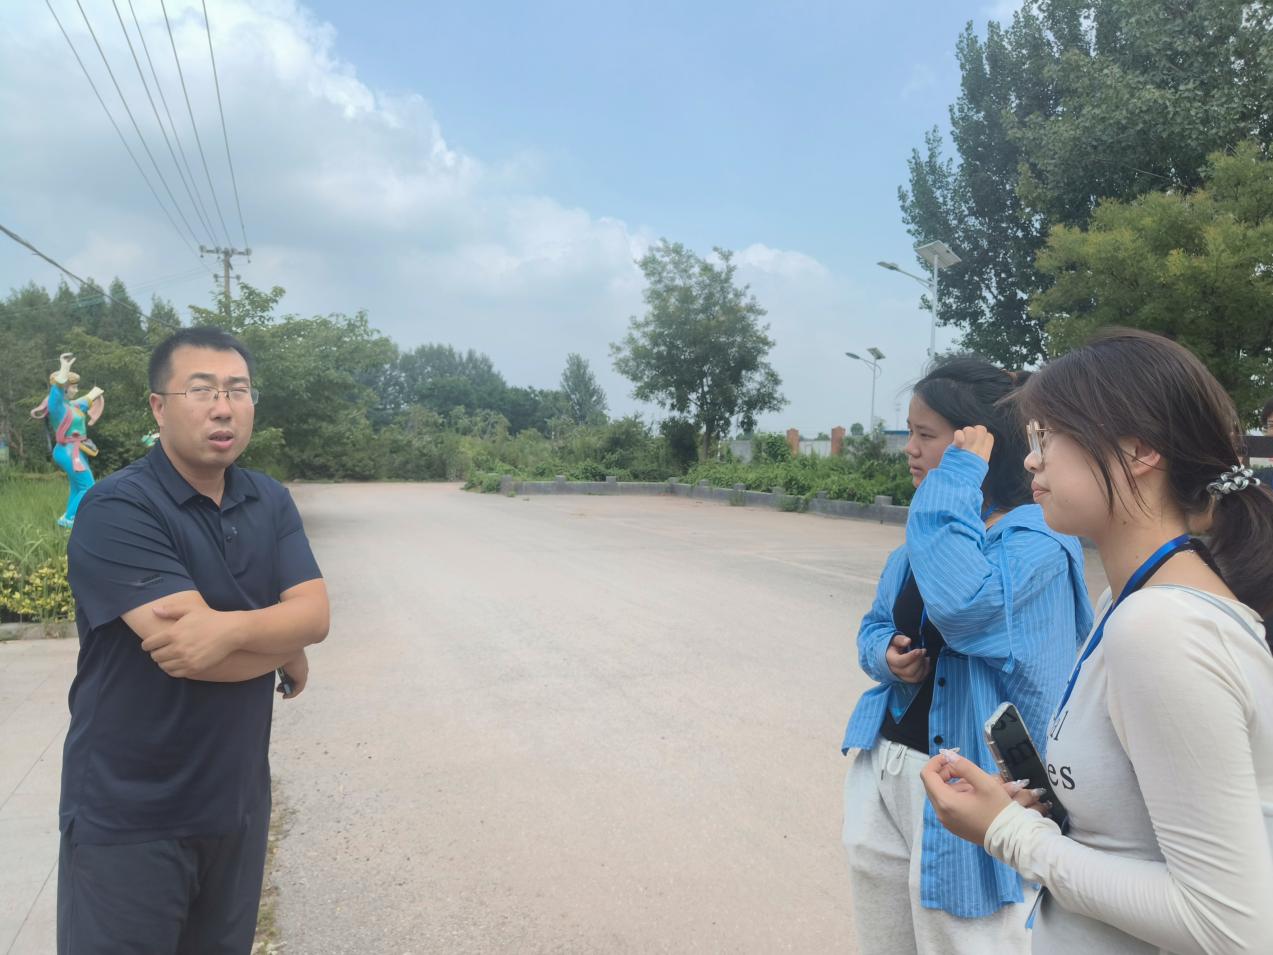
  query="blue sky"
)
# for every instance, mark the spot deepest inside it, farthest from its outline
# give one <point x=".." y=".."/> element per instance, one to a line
<point x="485" y="174"/>
<point x="718" y="123"/>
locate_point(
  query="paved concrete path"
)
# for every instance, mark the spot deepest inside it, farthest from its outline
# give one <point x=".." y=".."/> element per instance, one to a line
<point x="34" y="678"/>
<point x="572" y="724"/>
<point x="560" y="724"/>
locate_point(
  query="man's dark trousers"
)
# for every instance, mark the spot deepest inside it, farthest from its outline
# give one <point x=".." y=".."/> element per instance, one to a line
<point x="196" y="896"/>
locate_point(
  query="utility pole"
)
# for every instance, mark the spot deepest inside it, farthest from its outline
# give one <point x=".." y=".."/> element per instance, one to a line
<point x="226" y="255"/>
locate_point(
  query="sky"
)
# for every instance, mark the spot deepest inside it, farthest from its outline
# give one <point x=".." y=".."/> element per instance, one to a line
<point x="486" y="175"/>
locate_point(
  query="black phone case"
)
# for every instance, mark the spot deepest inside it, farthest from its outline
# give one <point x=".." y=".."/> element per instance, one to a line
<point x="1059" y="814"/>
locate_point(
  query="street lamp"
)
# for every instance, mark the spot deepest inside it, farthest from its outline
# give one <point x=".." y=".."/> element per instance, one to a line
<point x="939" y="256"/>
<point x="876" y="371"/>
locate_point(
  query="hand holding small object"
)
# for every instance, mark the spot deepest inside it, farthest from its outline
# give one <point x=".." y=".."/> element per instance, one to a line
<point x="965" y="797"/>
<point x="909" y="666"/>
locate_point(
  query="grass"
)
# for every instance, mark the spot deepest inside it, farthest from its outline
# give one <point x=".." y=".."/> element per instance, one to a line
<point x="33" y="583"/>
<point x="30" y="505"/>
<point x="268" y="939"/>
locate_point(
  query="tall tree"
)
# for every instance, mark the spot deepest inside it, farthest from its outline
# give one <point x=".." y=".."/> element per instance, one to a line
<point x="586" y="401"/>
<point x="1074" y="102"/>
<point x="1193" y="267"/>
<point x="441" y="378"/>
<point x="700" y="349"/>
<point x="316" y="377"/>
<point x="532" y="409"/>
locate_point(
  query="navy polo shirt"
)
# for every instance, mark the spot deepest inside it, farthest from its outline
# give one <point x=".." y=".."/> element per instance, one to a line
<point x="149" y="756"/>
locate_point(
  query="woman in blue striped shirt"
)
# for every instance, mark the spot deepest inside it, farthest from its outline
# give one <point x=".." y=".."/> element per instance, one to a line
<point x="983" y="603"/>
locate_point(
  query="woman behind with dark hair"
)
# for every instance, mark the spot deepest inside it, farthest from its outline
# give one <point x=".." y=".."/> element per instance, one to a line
<point x="982" y="603"/>
<point x="1163" y="739"/>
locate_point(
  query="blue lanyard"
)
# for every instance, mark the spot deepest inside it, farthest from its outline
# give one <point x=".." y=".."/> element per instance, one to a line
<point x="1143" y="573"/>
<point x="920" y="642"/>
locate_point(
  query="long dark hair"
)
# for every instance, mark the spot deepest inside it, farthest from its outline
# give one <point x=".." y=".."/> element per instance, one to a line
<point x="1126" y="383"/>
<point x="967" y="390"/>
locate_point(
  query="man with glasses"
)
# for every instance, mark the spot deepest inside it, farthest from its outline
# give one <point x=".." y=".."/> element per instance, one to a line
<point x="193" y="582"/>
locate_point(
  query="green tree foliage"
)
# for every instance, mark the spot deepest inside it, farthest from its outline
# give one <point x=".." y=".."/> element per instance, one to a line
<point x="1074" y="102"/>
<point x="338" y="399"/>
<point x="317" y="380"/>
<point x="440" y="378"/>
<point x="451" y="382"/>
<point x="585" y="402"/>
<point x="681" y="437"/>
<point x="542" y="410"/>
<point x="699" y="350"/>
<point x="1192" y="266"/>
<point x="770" y="448"/>
<point x="34" y="329"/>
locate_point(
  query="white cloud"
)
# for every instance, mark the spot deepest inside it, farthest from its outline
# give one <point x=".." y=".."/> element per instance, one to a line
<point x="354" y="198"/>
<point x="1002" y="10"/>
<point x="787" y="264"/>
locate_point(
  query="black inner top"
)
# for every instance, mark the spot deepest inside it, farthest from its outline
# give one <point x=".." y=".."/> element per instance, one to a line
<point x="912" y="729"/>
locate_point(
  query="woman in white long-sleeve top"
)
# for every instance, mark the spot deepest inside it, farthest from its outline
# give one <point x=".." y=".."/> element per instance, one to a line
<point x="983" y="602"/>
<point x="1161" y="749"/>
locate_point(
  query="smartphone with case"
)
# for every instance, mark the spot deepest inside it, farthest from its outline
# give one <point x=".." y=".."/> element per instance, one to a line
<point x="1014" y="752"/>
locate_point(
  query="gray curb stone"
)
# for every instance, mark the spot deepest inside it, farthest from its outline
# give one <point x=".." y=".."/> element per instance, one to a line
<point x="883" y="511"/>
<point x="53" y="630"/>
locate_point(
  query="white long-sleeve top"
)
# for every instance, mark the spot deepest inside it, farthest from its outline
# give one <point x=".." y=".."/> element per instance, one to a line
<point x="1164" y="758"/>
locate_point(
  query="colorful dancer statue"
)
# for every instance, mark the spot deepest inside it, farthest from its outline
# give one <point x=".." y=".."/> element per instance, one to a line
<point x="69" y="417"/>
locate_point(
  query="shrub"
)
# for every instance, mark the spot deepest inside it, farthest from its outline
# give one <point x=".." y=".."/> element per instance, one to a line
<point x="858" y="478"/>
<point x="770" y="449"/>
<point x="41" y="593"/>
<point x="33" y="548"/>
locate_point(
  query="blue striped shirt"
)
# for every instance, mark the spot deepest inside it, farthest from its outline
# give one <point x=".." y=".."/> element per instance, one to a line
<point x="1013" y="607"/>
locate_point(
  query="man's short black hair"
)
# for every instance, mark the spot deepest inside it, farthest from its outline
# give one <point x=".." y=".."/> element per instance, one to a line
<point x="197" y="336"/>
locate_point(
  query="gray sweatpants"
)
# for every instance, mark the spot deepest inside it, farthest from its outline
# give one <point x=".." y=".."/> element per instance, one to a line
<point x="883" y="825"/>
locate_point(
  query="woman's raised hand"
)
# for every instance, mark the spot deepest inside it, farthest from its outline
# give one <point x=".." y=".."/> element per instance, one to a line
<point x="976" y="439"/>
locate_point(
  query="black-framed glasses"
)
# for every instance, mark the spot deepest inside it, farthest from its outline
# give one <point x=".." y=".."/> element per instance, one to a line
<point x="1035" y="433"/>
<point x="206" y="394"/>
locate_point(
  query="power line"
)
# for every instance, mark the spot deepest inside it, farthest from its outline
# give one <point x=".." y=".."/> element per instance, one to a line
<point x="62" y="268"/>
<point x="172" y="278"/>
<point x="198" y="142"/>
<point x="133" y="119"/>
<point x="159" y="122"/>
<point x="203" y="209"/>
<point x="224" y="133"/>
<point x="131" y="155"/>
